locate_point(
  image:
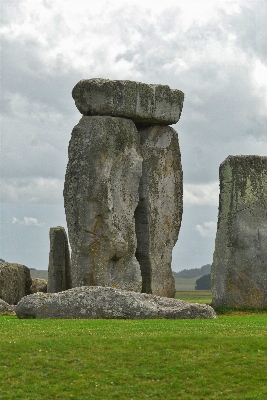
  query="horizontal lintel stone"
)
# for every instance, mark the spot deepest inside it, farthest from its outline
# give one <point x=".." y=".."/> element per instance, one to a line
<point x="140" y="102"/>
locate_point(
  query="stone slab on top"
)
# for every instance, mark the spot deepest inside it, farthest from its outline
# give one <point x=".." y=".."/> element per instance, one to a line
<point x="142" y="103"/>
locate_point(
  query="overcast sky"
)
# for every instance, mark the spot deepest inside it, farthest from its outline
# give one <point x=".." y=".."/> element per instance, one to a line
<point x="214" y="51"/>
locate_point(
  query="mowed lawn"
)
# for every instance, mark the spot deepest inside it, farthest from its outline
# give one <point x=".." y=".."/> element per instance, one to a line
<point x="196" y="296"/>
<point x="224" y="358"/>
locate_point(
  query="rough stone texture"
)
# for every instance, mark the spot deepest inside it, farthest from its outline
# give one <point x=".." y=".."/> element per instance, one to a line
<point x="140" y="102"/>
<point x="15" y="282"/>
<point x="239" y="269"/>
<point x="38" y="285"/>
<point x="104" y="302"/>
<point x="101" y="195"/>
<point x="159" y="212"/>
<point x="59" y="261"/>
<point x="6" y="308"/>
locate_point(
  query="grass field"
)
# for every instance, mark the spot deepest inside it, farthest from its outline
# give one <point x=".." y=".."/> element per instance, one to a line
<point x="196" y="296"/>
<point x="47" y="359"/>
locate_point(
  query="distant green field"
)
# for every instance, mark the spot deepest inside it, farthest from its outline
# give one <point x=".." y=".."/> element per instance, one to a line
<point x="185" y="284"/>
<point x="196" y="296"/>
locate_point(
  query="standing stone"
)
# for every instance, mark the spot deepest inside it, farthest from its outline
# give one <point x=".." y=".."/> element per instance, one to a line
<point x="159" y="212"/>
<point x="101" y="195"/>
<point x="15" y="282"/>
<point x="142" y="103"/>
<point x="239" y="269"/>
<point x="59" y="278"/>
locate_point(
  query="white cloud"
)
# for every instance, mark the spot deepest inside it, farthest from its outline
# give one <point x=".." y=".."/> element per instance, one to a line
<point x="28" y="221"/>
<point x="201" y="195"/>
<point x="89" y="35"/>
<point x="20" y="107"/>
<point x="208" y="229"/>
<point x="260" y="76"/>
<point x="39" y="190"/>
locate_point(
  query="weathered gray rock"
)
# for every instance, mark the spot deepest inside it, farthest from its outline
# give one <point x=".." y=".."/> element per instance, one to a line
<point x="159" y="212"/>
<point x="38" y="285"/>
<point x="140" y="102"/>
<point x="6" y="308"/>
<point x="101" y="195"/>
<point x="239" y="269"/>
<point x="59" y="277"/>
<point x="15" y="282"/>
<point x="104" y="302"/>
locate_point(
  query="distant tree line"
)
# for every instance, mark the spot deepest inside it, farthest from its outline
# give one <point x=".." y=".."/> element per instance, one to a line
<point x="203" y="283"/>
<point x="194" y="272"/>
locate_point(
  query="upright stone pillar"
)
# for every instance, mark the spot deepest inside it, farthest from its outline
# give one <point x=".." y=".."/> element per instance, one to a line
<point x="101" y="195"/>
<point x="239" y="269"/>
<point x="159" y="212"/>
<point x="123" y="188"/>
<point x="59" y="278"/>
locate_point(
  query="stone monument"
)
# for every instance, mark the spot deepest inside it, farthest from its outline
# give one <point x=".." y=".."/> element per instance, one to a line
<point x="59" y="278"/>
<point x="239" y="269"/>
<point x="15" y="282"/>
<point x="123" y="186"/>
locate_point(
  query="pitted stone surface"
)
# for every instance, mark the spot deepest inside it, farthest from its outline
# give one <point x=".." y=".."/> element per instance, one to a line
<point x="159" y="212"/>
<point x="6" y="308"/>
<point x="38" y="285"/>
<point x="101" y="195"/>
<point x="59" y="261"/>
<point x="239" y="269"/>
<point x="15" y="282"/>
<point x="142" y="103"/>
<point x="103" y="302"/>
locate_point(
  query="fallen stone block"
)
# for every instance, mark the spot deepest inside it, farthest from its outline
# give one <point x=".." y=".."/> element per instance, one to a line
<point x="6" y="308"/>
<point x="108" y="303"/>
<point x="141" y="102"/>
<point x="38" y="285"/>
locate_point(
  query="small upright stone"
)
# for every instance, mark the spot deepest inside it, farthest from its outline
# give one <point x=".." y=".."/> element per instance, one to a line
<point x="59" y="261"/>
<point x="159" y="212"/>
<point x="142" y="103"/>
<point x="239" y="269"/>
<point x="15" y="282"/>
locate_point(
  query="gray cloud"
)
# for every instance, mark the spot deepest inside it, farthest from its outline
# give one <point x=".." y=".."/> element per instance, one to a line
<point x="250" y="28"/>
<point x="47" y="47"/>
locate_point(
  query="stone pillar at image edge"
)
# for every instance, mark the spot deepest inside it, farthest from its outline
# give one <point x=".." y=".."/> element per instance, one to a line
<point x="239" y="269"/>
<point x="15" y="282"/>
<point x="159" y="212"/>
<point x="101" y="195"/>
<point x="59" y="261"/>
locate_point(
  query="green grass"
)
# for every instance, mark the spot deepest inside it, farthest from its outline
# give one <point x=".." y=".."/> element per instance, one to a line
<point x="50" y="359"/>
<point x="196" y="296"/>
